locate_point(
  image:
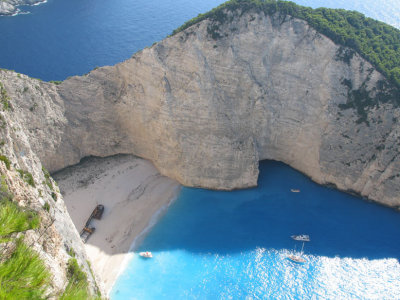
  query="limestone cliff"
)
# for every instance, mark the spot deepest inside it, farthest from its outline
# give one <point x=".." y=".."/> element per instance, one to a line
<point x="208" y="103"/>
<point x="56" y="240"/>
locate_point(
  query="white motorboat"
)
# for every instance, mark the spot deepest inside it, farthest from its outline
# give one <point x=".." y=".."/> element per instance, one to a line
<point x="146" y="254"/>
<point x="301" y="237"/>
<point x="295" y="190"/>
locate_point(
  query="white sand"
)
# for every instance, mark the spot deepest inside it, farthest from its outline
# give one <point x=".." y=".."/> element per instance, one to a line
<point x="133" y="193"/>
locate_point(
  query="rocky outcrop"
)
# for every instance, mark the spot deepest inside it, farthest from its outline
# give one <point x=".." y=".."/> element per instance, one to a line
<point x="7" y="8"/>
<point x="208" y="103"/>
<point x="10" y="7"/>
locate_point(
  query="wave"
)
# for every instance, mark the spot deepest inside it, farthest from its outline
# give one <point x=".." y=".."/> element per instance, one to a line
<point x="38" y="3"/>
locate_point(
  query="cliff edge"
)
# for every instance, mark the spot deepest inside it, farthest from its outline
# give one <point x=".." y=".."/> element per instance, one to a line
<point x="206" y="104"/>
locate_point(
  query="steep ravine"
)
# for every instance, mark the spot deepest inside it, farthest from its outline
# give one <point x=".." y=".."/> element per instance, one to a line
<point x="206" y="110"/>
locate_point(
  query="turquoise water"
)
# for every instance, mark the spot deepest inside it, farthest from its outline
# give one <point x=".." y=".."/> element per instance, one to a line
<point x="234" y="245"/>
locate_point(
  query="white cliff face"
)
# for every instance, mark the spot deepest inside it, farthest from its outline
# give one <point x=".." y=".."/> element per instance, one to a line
<point x="56" y="238"/>
<point x="206" y="111"/>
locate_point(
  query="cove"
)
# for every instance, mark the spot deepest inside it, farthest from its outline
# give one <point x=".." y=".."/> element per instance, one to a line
<point x="234" y="245"/>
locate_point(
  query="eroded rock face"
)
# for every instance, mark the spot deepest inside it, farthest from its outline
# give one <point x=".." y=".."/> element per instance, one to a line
<point x="205" y="110"/>
<point x="56" y="240"/>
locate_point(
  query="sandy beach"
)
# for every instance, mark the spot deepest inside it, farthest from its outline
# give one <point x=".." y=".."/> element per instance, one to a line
<point x="133" y="193"/>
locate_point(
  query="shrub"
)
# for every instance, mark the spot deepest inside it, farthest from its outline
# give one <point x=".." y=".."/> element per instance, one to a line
<point x="75" y="291"/>
<point x="6" y="161"/>
<point x="23" y="275"/>
<point x="4" y="98"/>
<point x="27" y="177"/>
<point x="77" y="287"/>
<point x="48" y="178"/>
<point x="54" y="196"/>
<point x="14" y="218"/>
<point x="46" y="206"/>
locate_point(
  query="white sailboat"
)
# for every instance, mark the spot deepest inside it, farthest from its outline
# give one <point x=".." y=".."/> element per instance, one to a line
<point x="298" y="258"/>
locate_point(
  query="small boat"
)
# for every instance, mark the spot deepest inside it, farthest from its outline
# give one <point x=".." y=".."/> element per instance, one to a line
<point x="301" y="237"/>
<point x="297" y="259"/>
<point x="295" y="190"/>
<point x="146" y="254"/>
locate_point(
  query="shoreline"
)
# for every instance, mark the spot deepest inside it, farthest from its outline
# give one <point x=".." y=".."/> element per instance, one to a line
<point x="139" y="238"/>
<point x="135" y="196"/>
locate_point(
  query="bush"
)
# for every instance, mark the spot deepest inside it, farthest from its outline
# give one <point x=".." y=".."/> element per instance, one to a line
<point x="48" y="178"/>
<point x="24" y="275"/>
<point x="27" y="177"/>
<point x="78" y="286"/>
<point x="75" y="273"/>
<point x="46" y="207"/>
<point x="54" y="196"/>
<point x="75" y="291"/>
<point x="6" y="161"/>
<point x="14" y="218"/>
<point x="4" y="98"/>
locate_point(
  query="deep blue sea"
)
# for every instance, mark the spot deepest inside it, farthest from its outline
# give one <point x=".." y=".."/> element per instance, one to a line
<point x="62" y="38"/>
<point x="220" y="245"/>
<point x="234" y="245"/>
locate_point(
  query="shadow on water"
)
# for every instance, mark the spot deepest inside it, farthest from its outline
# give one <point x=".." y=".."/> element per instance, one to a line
<point x="203" y="221"/>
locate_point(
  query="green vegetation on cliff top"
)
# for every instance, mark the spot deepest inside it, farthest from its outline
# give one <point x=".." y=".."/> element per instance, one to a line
<point x="376" y="41"/>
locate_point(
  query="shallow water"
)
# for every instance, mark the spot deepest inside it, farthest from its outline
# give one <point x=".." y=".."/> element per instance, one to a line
<point x="234" y="245"/>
